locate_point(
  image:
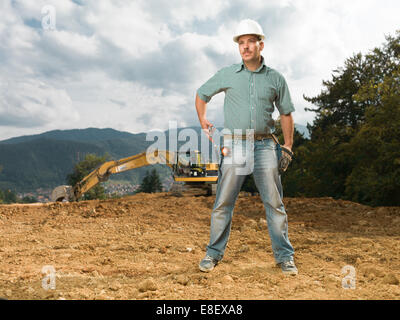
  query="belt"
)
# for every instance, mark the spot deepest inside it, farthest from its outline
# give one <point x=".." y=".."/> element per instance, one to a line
<point x="257" y="136"/>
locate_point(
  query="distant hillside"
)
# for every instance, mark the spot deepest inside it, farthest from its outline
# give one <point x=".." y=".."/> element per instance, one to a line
<point x="44" y="160"/>
<point x="82" y="135"/>
<point x="303" y="130"/>
<point x="40" y="163"/>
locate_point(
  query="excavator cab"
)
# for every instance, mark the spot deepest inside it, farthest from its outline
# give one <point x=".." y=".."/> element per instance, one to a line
<point x="197" y="169"/>
<point x="189" y="164"/>
<point x="194" y="173"/>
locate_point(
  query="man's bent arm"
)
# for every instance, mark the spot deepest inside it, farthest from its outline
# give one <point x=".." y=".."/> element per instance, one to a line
<point x="287" y="125"/>
<point x="201" y="107"/>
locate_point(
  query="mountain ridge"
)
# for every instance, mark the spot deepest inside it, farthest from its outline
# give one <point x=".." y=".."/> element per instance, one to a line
<point x="44" y="160"/>
<point x="99" y="134"/>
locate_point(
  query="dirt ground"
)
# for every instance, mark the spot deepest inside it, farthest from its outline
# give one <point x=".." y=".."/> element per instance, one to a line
<point x="148" y="246"/>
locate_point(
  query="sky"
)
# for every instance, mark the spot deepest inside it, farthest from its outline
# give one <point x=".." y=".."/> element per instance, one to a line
<point x="135" y="66"/>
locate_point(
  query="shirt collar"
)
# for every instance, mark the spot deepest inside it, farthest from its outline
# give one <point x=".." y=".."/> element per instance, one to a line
<point x="242" y="66"/>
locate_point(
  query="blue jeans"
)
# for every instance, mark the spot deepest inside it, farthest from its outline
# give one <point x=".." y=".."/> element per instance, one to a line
<point x="261" y="158"/>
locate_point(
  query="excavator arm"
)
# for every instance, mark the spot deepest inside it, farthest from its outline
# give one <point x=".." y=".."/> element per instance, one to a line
<point x="103" y="172"/>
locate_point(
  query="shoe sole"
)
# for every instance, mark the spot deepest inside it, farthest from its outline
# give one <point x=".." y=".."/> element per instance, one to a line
<point x="206" y="270"/>
<point x="290" y="273"/>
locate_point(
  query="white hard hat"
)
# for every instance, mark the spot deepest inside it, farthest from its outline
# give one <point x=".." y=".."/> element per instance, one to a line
<point x="248" y="26"/>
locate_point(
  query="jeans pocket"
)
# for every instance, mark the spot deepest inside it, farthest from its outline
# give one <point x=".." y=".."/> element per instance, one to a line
<point x="268" y="144"/>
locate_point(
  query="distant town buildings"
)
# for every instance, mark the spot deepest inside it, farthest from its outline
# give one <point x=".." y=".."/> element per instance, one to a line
<point x="120" y="189"/>
<point x="41" y="194"/>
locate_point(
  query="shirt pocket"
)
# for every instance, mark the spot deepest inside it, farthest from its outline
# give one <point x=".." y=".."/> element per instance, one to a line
<point x="267" y="101"/>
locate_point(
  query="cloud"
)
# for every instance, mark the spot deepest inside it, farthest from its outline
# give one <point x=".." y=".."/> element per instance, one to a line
<point x="135" y="65"/>
<point x="31" y="103"/>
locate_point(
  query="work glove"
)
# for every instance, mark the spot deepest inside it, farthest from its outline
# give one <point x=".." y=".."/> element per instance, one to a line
<point x="285" y="157"/>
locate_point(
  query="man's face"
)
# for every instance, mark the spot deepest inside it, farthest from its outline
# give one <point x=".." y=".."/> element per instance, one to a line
<point x="250" y="47"/>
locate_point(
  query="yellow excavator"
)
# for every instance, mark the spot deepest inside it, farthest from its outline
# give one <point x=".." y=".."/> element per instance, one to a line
<point x="187" y="168"/>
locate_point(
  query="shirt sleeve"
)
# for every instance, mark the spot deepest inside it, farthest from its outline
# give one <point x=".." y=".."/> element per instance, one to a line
<point x="283" y="100"/>
<point x="211" y="87"/>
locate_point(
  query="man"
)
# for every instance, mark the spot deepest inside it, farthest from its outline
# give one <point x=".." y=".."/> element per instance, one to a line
<point x="252" y="90"/>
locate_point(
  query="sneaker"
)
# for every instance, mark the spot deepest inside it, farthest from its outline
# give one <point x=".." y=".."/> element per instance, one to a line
<point x="207" y="264"/>
<point x="288" y="267"/>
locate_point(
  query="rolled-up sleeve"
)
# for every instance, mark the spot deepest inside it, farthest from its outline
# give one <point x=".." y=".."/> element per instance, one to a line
<point x="283" y="99"/>
<point x="211" y="87"/>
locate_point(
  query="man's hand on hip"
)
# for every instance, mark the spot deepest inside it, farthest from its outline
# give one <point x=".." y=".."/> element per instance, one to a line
<point x="206" y="126"/>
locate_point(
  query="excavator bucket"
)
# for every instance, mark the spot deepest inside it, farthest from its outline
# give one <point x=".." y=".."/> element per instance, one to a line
<point x="62" y="193"/>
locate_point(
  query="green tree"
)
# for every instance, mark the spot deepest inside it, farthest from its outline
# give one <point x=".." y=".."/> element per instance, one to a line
<point x="326" y="166"/>
<point x="348" y="114"/>
<point x="375" y="178"/>
<point x="82" y="169"/>
<point x="28" y="199"/>
<point x="151" y="183"/>
<point x="336" y="106"/>
<point x="294" y="179"/>
<point x="8" y="196"/>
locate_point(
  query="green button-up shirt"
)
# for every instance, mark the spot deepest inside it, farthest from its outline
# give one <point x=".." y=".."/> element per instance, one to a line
<point x="250" y="96"/>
